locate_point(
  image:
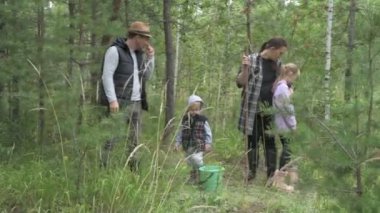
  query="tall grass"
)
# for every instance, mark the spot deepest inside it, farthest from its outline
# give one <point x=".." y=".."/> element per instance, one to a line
<point x="37" y="183"/>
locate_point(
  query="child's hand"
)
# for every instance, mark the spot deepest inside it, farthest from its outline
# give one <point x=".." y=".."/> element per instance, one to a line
<point x="208" y="148"/>
<point x="291" y="91"/>
<point x="177" y="147"/>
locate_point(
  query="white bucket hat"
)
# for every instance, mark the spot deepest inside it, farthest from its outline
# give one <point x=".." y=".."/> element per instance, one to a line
<point x="194" y="98"/>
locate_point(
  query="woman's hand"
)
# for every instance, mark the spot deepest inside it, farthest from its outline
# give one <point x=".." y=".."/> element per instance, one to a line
<point x="242" y="77"/>
<point x="246" y="60"/>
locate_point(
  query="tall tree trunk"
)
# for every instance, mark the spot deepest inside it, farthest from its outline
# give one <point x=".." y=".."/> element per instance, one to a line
<point x="370" y="86"/>
<point x="82" y="96"/>
<point x="116" y="5"/>
<point x="14" y="101"/>
<point x="1" y="90"/>
<point x="13" y="88"/>
<point x="40" y="62"/>
<point x="328" y="58"/>
<point x="2" y="109"/>
<point x="371" y="56"/>
<point x="170" y="66"/>
<point x="70" y="64"/>
<point x="126" y="12"/>
<point x="350" y="50"/>
<point x="358" y="176"/>
<point x="2" y="55"/>
<point x="96" y="70"/>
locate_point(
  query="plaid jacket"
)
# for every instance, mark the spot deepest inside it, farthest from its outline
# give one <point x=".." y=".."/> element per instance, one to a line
<point x="251" y="93"/>
<point x="250" y="96"/>
<point x="193" y="132"/>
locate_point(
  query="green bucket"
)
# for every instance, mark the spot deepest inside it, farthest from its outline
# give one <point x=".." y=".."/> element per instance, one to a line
<point x="211" y="177"/>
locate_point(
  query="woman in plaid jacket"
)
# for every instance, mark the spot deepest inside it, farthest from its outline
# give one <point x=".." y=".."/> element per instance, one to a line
<point x="257" y="75"/>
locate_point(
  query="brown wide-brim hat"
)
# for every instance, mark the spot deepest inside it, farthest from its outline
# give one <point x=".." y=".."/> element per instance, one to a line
<point x="140" y="28"/>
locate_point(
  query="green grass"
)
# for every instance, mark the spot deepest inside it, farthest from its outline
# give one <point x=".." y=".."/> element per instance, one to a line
<point x="37" y="183"/>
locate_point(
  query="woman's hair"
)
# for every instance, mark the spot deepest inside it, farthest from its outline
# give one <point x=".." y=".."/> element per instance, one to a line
<point x="276" y="42"/>
<point x="288" y="69"/>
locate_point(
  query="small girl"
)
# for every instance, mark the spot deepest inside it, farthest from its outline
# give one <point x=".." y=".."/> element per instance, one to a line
<point x="195" y="136"/>
<point x="284" y="118"/>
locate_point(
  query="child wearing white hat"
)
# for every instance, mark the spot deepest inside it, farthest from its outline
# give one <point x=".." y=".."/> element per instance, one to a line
<point x="194" y="136"/>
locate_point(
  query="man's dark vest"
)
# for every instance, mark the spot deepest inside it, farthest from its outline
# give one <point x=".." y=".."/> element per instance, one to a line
<point x="123" y="77"/>
<point x="193" y="132"/>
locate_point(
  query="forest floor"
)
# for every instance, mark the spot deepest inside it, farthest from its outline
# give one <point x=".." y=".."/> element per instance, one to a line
<point x="236" y="195"/>
<point x="43" y="184"/>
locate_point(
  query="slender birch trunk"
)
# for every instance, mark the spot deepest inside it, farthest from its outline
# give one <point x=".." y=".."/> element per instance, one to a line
<point x="328" y="59"/>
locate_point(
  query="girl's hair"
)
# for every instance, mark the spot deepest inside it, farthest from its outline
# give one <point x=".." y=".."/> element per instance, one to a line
<point x="288" y="69"/>
<point x="276" y="42"/>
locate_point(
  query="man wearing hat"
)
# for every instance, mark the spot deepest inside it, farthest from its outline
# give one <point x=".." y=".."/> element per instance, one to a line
<point x="127" y="64"/>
